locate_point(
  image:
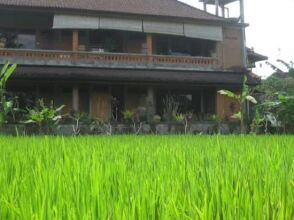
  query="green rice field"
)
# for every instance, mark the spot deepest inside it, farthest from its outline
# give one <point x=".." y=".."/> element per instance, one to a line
<point x="147" y="177"/>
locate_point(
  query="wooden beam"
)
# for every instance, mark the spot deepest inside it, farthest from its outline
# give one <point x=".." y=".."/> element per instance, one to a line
<point x="75" y="98"/>
<point x="75" y="40"/>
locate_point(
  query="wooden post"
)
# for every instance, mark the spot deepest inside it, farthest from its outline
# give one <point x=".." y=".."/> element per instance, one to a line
<point x="220" y="106"/>
<point x="149" y="42"/>
<point x="75" y="98"/>
<point x="75" y="40"/>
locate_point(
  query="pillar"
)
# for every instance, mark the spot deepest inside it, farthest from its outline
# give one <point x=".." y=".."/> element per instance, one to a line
<point x="205" y="6"/>
<point x="75" y="98"/>
<point x="150" y="103"/>
<point x="149" y="43"/>
<point x="216" y="7"/>
<point x="242" y="20"/>
<point x="220" y="106"/>
<point x="223" y="11"/>
<point x="90" y="92"/>
<point x="38" y="44"/>
<point x="202" y="101"/>
<point x="75" y="40"/>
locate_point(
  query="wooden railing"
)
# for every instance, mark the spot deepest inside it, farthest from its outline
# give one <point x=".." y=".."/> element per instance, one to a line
<point x="107" y="58"/>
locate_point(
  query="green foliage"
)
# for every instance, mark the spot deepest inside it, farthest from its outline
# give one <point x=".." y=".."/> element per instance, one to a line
<point x="128" y="115"/>
<point x="180" y="117"/>
<point x="171" y="108"/>
<point x="44" y="116"/>
<point x="5" y="74"/>
<point x="6" y="106"/>
<point x="241" y="99"/>
<point x="277" y="105"/>
<point x="147" y="177"/>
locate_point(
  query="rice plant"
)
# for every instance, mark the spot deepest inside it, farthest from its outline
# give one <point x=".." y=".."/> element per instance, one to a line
<point x="147" y="177"/>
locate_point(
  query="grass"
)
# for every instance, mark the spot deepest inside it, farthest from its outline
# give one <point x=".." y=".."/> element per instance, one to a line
<point x="147" y="177"/>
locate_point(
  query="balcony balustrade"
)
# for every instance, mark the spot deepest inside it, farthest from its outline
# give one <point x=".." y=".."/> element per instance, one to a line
<point x="96" y="59"/>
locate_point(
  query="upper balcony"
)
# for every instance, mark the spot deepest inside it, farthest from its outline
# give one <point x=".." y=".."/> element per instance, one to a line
<point x="106" y="49"/>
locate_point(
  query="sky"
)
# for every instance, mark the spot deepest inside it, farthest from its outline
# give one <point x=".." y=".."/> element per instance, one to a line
<point x="270" y="31"/>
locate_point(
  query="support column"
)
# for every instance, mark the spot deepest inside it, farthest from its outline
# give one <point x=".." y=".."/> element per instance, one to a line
<point x="205" y="6"/>
<point x="220" y="106"/>
<point x="202" y="102"/>
<point x="223" y="11"/>
<point x="75" y="98"/>
<point x="38" y="92"/>
<point x="38" y="39"/>
<point x="217" y="7"/>
<point x="75" y="40"/>
<point x="242" y="20"/>
<point x="150" y="103"/>
<point x="91" y="100"/>
<point x="149" y="43"/>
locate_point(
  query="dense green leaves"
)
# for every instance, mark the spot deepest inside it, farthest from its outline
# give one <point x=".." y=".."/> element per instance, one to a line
<point x="5" y="73"/>
<point x="278" y="101"/>
<point x="147" y="177"/>
<point x="6" y="106"/>
<point x="44" y="116"/>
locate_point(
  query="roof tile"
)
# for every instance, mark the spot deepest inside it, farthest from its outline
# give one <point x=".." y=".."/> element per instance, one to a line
<point x="169" y="8"/>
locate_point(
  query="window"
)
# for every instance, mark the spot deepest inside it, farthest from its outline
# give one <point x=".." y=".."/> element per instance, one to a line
<point x="13" y="39"/>
<point x="183" y="46"/>
<point x="200" y="102"/>
<point x="26" y="41"/>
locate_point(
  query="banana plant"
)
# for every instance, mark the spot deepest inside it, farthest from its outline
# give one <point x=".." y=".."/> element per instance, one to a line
<point x="44" y="116"/>
<point x="5" y="73"/>
<point x="241" y="99"/>
<point x="5" y="106"/>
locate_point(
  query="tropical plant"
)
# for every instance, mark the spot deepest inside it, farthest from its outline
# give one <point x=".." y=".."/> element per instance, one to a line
<point x="218" y="121"/>
<point x="134" y="117"/>
<point x="241" y="99"/>
<point x="45" y="117"/>
<point x="184" y="118"/>
<point x="79" y="119"/>
<point x="6" y="106"/>
<point x="277" y="99"/>
<point x="171" y="108"/>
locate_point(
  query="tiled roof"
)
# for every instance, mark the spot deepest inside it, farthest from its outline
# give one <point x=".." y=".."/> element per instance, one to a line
<point x="168" y="8"/>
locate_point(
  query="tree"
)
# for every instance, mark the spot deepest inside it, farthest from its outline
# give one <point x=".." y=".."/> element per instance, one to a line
<point x="277" y="94"/>
<point x="241" y="99"/>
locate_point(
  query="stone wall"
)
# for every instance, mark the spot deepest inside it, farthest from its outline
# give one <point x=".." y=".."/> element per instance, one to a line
<point x="117" y="129"/>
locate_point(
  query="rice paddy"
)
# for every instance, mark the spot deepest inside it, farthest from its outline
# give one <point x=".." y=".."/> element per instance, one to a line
<point x="147" y="177"/>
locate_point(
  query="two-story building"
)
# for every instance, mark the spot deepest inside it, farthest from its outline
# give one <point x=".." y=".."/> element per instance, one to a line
<point x="106" y="56"/>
